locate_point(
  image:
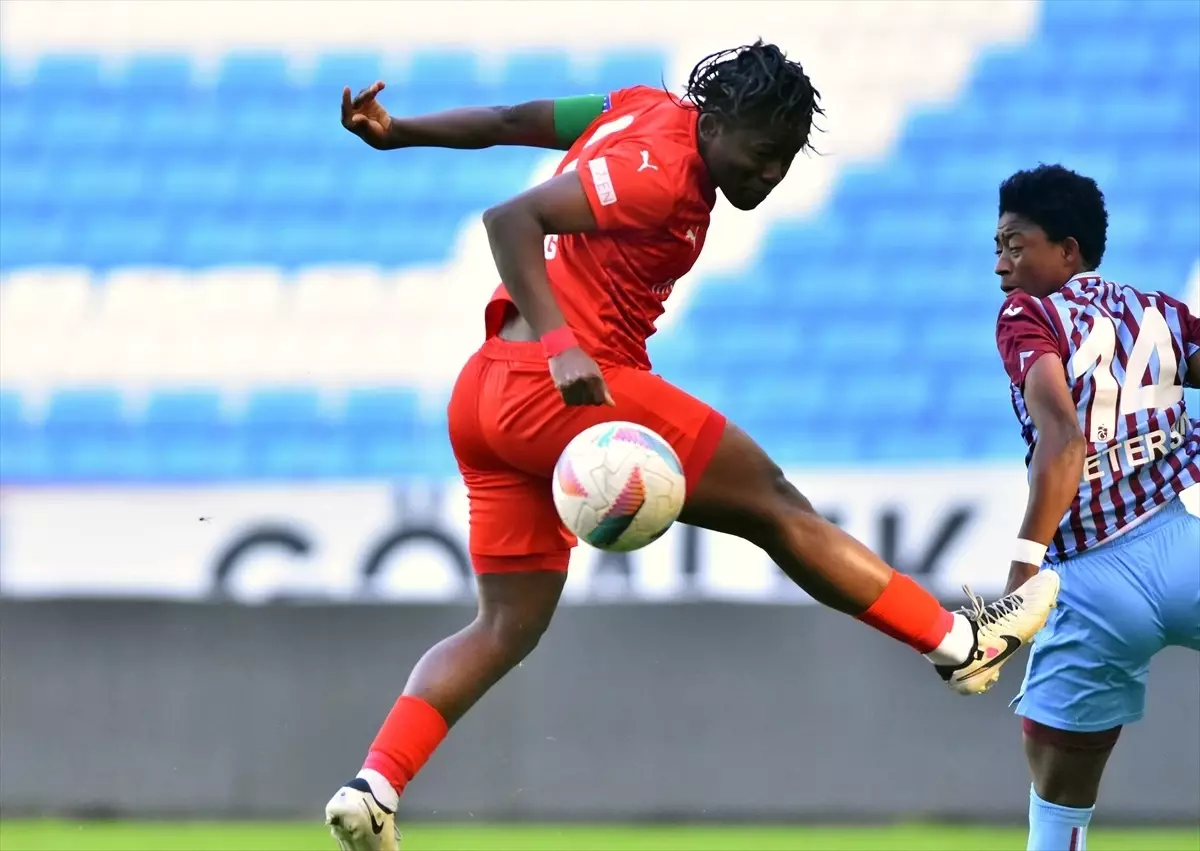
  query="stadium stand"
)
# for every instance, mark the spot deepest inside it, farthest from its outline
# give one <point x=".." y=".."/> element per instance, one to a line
<point x="171" y="218"/>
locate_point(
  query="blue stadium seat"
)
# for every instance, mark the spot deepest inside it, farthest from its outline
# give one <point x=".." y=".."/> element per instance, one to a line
<point x="247" y="73"/>
<point x="180" y="131"/>
<point x="300" y="456"/>
<point x="103" y="187"/>
<point x="90" y="439"/>
<point x="85" y="408"/>
<point x="284" y="407"/>
<point x="11" y="409"/>
<point x="380" y="408"/>
<point x="156" y="76"/>
<point x="231" y="238"/>
<point x="174" y="409"/>
<point x="24" y="448"/>
<point x="541" y="74"/>
<point x="69" y="77"/>
<point x="11" y="83"/>
<point x="333" y="71"/>
<point x="446" y="76"/>
<point x="620" y="69"/>
<point x="110" y="242"/>
<point x="24" y="187"/>
<point x="17" y="128"/>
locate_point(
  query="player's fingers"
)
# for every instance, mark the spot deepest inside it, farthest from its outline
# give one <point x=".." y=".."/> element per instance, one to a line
<point x="368" y="93"/>
<point x="347" y="104"/>
<point x="586" y="393"/>
<point x="578" y="392"/>
<point x="599" y="392"/>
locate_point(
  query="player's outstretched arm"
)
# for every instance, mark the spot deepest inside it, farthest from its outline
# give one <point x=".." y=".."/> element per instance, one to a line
<point x="1057" y="464"/>
<point x="553" y="124"/>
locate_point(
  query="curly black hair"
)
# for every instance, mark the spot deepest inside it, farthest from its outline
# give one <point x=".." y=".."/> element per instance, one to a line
<point x="757" y="84"/>
<point x="1062" y="203"/>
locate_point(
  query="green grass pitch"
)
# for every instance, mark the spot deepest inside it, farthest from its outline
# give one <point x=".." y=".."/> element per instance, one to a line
<point x="165" y="836"/>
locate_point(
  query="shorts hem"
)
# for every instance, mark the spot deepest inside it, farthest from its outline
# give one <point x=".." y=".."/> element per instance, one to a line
<point x="556" y="562"/>
<point x="703" y="450"/>
<point x="1048" y="720"/>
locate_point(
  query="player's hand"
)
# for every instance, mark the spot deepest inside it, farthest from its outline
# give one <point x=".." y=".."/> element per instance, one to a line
<point x="1018" y="574"/>
<point x="579" y="379"/>
<point x="366" y="118"/>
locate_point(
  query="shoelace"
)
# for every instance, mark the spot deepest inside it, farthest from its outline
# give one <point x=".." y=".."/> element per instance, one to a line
<point x="986" y="614"/>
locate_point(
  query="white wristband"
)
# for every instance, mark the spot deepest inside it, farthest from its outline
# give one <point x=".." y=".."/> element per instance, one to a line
<point x="1028" y="552"/>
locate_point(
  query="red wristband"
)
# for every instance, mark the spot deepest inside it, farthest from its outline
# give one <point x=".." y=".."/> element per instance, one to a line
<point x="555" y="342"/>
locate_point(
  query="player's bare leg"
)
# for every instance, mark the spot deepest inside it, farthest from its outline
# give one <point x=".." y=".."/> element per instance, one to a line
<point x="515" y="609"/>
<point x="744" y="493"/>
<point x="1066" y="768"/>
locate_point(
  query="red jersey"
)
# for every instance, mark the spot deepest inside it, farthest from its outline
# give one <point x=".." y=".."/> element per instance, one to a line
<point x="652" y="197"/>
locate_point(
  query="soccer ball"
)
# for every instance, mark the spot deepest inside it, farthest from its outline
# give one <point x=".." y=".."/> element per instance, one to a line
<point x="618" y="486"/>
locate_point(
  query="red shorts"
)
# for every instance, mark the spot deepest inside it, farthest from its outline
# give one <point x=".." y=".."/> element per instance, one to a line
<point x="508" y="426"/>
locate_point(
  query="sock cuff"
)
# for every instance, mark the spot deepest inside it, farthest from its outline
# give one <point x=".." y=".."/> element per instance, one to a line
<point x="423" y="713"/>
<point x="1075" y="815"/>
<point x="907" y="612"/>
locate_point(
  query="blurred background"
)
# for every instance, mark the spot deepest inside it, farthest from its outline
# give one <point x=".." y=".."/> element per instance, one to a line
<point x="228" y="330"/>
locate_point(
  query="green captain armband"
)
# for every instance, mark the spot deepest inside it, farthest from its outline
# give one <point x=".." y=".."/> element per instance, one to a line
<point x="573" y="115"/>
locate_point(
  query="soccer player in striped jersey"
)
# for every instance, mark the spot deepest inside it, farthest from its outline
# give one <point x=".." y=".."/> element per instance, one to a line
<point x="1097" y="371"/>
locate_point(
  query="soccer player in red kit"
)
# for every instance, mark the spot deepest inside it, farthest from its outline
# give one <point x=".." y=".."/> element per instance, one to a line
<point x="587" y="260"/>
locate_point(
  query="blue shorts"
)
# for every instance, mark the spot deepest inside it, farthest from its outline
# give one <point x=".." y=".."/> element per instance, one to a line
<point x="1119" y="605"/>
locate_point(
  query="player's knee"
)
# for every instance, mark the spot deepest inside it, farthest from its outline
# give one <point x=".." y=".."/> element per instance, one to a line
<point x="777" y="505"/>
<point x="517" y="600"/>
<point x="515" y="635"/>
<point x="783" y="500"/>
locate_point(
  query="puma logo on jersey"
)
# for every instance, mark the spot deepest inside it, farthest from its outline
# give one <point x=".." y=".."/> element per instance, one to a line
<point x="690" y="236"/>
<point x="646" y="162"/>
<point x="1012" y="311"/>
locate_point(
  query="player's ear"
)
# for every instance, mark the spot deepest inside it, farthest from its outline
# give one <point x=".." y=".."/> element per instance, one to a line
<point x="1072" y="255"/>
<point x="708" y="126"/>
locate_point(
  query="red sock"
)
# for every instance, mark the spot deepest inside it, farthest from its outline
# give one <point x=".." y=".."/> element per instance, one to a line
<point x="909" y="613"/>
<point x="411" y="733"/>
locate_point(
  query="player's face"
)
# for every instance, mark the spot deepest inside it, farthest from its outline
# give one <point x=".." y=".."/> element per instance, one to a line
<point x="1027" y="260"/>
<point x="746" y="163"/>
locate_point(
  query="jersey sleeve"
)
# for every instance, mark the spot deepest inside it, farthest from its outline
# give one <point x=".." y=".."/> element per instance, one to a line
<point x="1023" y="334"/>
<point x="1191" y="331"/>
<point x="629" y="188"/>
<point x="1177" y="311"/>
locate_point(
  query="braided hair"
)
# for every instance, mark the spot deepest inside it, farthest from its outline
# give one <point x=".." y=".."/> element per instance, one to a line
<point x="756" y="84"/>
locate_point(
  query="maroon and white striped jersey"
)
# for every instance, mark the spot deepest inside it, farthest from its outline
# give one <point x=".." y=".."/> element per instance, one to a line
<point x="1125" y="354"/>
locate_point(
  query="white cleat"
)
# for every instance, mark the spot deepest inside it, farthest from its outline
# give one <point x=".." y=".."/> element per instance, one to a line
<point x="1001" y="628"/>
<point x="359" y="822"/>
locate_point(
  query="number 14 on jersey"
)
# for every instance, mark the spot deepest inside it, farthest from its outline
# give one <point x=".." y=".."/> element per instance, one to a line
<point x="1111" y="398"/>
